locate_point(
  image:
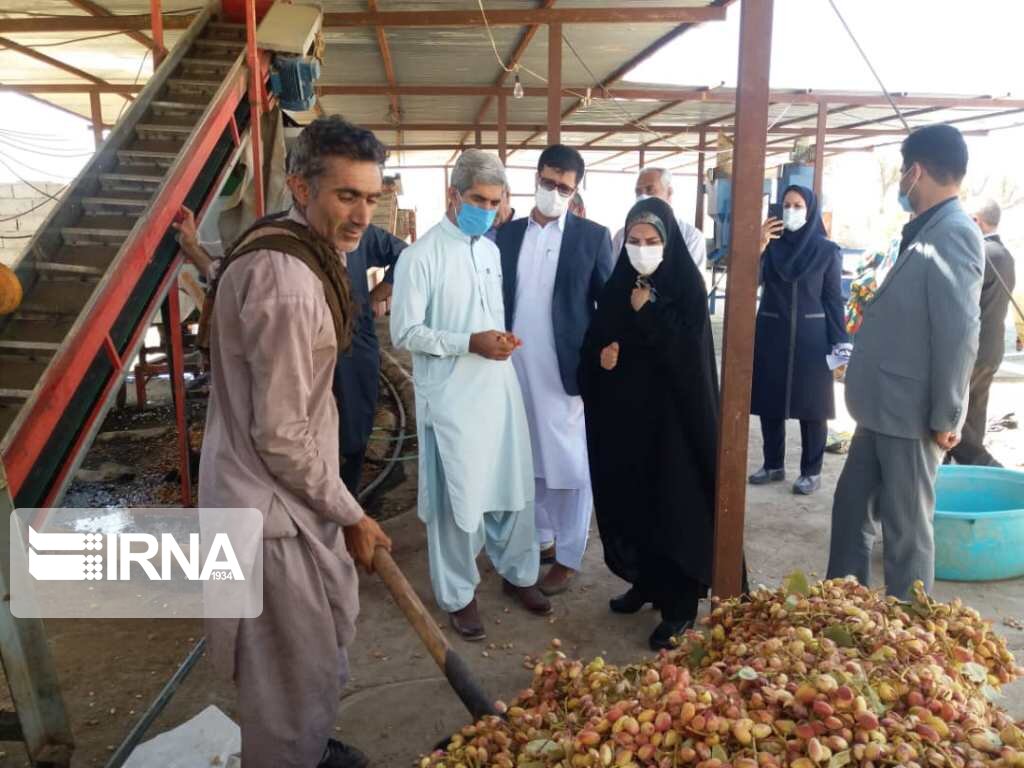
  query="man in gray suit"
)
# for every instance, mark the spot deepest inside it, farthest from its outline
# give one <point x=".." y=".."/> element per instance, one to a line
<point x="907" y="380"/>
<point x="998" y="284"/>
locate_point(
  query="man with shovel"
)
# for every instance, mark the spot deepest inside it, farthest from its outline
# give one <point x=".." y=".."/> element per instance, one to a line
<point x="281" y="312"/>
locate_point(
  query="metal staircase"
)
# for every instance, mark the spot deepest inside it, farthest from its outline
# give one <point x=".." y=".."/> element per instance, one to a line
<point x="94" y="276"/>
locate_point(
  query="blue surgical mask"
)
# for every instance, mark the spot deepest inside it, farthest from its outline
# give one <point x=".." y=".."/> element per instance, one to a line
<point x="904" y="197"/>
<point x="474" y="221"/>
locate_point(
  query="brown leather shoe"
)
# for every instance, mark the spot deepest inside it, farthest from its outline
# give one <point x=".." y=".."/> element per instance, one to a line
<point x="556" y="580"/>
<point x="467" y="622"/>
<point x="547" y="556"/>
<point x="530" y="597"/>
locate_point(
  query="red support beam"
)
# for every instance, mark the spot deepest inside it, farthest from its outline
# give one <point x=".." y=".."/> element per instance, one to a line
<point x="819" y="149"/>
<point x="97" y="118"/>
<point x="646" y="53"/>
<point x="503" y="128"/>
<point x="517" y="54"/>
<point x="554" y="83"/>
<point x="255" y="104"/>
<point x="95" y="9"/>
<point x="738" y="345"/>
<point x="682" y="94"/>
<point x="159" y="52"/>
<point x="642" y="119"/>
<point x="389" y="67"/>
<point x="50" y="61"/>
<point x="113" y="23"/>
<point x="698" y="216"/>
<point x="64" y="88"/>
<point x="171" y="315"/>
<point x="498" y="17"/>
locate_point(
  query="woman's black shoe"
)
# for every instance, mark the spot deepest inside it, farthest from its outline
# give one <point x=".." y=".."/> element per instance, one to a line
<point x="662" y="636"/>
<point x="631" y="601"/>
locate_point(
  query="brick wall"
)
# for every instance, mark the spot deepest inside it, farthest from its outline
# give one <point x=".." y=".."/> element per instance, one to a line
<point x="17" y="217"/>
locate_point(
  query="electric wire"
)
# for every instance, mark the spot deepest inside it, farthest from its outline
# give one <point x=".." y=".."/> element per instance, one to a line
<point x="19" y="177"/>
<point x="17" y="216"/>
<point x="871" y="66"/>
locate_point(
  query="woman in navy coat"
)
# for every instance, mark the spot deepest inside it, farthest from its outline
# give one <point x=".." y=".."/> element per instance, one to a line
<point x="799" y="322"/>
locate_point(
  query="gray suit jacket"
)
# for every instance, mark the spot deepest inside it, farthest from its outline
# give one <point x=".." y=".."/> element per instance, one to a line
<point x="913" y="356"/>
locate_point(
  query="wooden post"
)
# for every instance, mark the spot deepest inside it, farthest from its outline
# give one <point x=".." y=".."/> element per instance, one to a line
<point x="643" y="157"/>
<point x="255" y="105"/>
<point x="97" y="117"/>
<point x="554" y="83"/>
<point x="28" y="666"/>
<point x="159" y="51"/>
<point x="479" y="137"/>
<point x="698" y="217"/>
<point x="503" y="128"/>
<point x="752" y="95"/>
<point x="819" y="151"/>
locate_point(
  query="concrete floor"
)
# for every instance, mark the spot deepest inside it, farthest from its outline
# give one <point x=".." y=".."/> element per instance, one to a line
<point x="398" y="704"/>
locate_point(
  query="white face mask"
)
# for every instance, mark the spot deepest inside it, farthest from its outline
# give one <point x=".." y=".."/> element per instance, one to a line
<point x="550" y="203"/>
<point x="645" y="258"/>
<point x="641" y="197"/>
<point x="794" y="218"/>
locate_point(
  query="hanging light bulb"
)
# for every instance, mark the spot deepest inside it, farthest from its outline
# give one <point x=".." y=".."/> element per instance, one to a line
<point x="517" y="89"/>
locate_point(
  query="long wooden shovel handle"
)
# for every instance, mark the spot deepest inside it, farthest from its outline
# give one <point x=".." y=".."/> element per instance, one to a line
<point x="411" y="605"/>
<point x="454" y="667"/>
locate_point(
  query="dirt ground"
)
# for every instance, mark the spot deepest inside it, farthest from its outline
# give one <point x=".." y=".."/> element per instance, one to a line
<point x="397" y="704"/>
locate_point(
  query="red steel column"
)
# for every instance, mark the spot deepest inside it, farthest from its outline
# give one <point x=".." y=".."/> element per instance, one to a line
<point x="176" y="368"/>
<point x="752" y="96"/>
<point x="157" y="20"/>
<point x="97" y="117"/>
<point x="255" y="104"/>
<point x="503" y="128"/>
<point x="819" y="150"/>
<point x="698" y="216"/>
<point x="554" y="83"/>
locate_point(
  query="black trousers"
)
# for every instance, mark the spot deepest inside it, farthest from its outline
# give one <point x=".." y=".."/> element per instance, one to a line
<point x="971" y="449"/>
<point x="813" y="436"/>
<point x="670" y="588"/>
<point x="352" y="470"/>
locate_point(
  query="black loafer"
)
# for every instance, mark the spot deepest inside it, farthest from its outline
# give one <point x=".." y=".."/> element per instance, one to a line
<point x="764" y="476"/>
<point x="340" y="755"/>
<point x="661" y="637"/>
<point x="631" y="601"/>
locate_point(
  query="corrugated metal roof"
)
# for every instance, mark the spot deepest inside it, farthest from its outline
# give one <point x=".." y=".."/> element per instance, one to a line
<point x="460" y="56"/>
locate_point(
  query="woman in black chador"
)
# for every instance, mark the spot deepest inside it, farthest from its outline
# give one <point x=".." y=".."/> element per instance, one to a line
<point x="650" y="390"/>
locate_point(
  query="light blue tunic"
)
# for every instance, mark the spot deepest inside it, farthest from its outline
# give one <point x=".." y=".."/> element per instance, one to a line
<point x="469" y="409"/>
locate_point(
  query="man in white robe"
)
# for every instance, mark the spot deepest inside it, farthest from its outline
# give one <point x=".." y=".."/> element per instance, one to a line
<point x="476" y="470"/>
<point x="554" y="266"/>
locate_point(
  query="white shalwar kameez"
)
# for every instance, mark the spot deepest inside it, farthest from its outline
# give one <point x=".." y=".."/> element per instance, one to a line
<point x="475" y="466"/>
<point x="564" y="501"/>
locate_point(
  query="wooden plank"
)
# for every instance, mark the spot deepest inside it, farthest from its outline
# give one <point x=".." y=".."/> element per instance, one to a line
<point x="741" y="299"/>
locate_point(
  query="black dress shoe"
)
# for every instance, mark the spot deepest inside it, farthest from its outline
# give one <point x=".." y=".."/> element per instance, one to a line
<point x="338" y="755"/>
<point x="630" y="601"/>
<point x="661" y="637"/>
<point x="764" y="476"/>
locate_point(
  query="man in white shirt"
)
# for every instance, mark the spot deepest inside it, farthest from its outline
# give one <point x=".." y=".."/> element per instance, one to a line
<point x="554" y="265"/>
<point x="657" y="182"/>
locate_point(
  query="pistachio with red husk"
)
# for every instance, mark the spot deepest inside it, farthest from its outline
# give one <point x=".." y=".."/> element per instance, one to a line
<point x="811" y="676"/>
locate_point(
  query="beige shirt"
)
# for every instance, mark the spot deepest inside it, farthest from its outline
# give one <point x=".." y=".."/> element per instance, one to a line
<point x="271" y="437"/>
